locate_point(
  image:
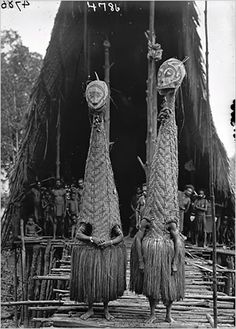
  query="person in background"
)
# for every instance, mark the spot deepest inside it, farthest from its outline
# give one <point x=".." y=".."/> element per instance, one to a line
<point x="32" y="229"/>
<point x="37" y="196"/>
<point x="80" y="190"/>
<point x="189" y="221"/>
<point x="184" y="204"/>
<point x="200" y="209"/>
<point x="228" y="231"/>
<point x="73" y="211"/>
<point x="59" y="194"/>
<point x="47" y="207"/>
<point x="208" y="224"/>
<point x="73" y="189"/>
<point x="133" y="205"/>
<point x="140" y="206"/>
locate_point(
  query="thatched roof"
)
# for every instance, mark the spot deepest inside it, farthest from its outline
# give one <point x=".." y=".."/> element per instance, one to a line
<point x="76" y="48"/>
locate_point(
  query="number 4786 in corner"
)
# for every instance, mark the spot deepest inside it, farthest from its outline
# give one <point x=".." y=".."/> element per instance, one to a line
<point x="10" y="4"/>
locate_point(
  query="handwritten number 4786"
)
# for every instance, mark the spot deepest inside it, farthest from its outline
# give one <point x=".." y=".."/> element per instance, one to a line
<point x="105" y="6"/>
<point x="10" y="4"/>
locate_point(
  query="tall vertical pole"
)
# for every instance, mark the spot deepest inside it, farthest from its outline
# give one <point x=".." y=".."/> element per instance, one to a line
<point x="15" y="285"/>
<point x="86" y="38"/>
<point x="211" y="176"/>
<point x="107" y="45"/>
<point x="58" y="137"/>
<point x="154" y="54"/>
<point x="150" y="83"/>
<point x="23" y="261"/>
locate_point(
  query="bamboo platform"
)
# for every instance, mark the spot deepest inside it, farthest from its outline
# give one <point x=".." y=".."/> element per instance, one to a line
<point x="195" y="311"/>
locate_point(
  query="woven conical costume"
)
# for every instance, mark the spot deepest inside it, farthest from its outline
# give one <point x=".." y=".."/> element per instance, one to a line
<point x="158" y="281"/>
<point x="98" y="275"/>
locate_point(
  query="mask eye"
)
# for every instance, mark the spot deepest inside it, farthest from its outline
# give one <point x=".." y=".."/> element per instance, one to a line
<point x="168" y="73"/>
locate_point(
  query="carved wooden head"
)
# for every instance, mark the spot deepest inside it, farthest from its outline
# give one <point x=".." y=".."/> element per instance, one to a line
<point x="170" y="75"/>
<point x="96" y="94"/>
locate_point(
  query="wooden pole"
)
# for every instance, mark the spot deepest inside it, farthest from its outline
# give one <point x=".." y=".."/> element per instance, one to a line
<point x="15" y="285"/>
<point x="58" y="141"/>
<point x="211" y="176"/>
<point x="154" y="90"/>
<point x="23" y="257"/>
<point x="151" y="95"/>
<point x="86" y="38"/>
<point x="33" y="302"/>
<point x="107" y="45"/>
<point x="150" y="91"/>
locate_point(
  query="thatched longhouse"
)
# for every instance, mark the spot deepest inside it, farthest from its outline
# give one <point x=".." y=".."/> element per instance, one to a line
<point x="75" y="51"/>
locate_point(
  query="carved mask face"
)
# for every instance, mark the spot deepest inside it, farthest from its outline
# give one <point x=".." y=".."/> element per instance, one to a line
<point x="96" y="94"/>
<point x="170" y="74"/>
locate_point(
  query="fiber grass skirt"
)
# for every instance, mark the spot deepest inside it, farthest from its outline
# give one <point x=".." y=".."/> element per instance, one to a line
<point x="157" y="280"/>
<point x="97" y="275"/>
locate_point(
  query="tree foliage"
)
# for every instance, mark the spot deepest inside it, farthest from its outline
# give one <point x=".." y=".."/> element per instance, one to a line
<point x="232" y="120"/>
<point x="20" y="69"/>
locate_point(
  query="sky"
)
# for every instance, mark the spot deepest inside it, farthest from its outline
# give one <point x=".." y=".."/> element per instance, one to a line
<point x="35" y="22"/>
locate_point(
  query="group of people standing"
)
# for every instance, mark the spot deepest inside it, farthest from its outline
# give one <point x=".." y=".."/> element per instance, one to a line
<point x="55" y="210"/>
<point x="195" y="215"/>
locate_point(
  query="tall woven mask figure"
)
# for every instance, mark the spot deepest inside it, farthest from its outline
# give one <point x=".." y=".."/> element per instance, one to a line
<point x="99" y="256"/>
<point x="157" y="254"/>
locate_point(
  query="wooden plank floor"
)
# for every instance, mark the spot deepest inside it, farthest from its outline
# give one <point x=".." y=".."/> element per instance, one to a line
<point x="132" y="310"/>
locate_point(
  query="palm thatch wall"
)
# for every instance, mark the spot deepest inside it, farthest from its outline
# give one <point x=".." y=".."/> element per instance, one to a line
<point x="76" y="50"/>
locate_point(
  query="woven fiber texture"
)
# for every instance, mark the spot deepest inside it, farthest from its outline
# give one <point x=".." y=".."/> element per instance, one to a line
<point x="98" y="275"/>
<point x="157" y="281"/>
<point x="100" y="204"/>
<point x="162" y="195"/>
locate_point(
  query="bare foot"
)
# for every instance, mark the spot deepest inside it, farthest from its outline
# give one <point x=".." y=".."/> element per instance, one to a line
<point x="169" y="319"/>
<point x="151" y="319"/>
<point x="108" y="315"/>
<point x="87" y="315"/>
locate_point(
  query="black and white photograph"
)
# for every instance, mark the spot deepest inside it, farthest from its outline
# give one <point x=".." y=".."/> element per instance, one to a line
<point x="118" y="164"/>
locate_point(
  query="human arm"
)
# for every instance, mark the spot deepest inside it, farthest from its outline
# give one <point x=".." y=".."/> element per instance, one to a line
<point x="132" y="207"/>
<point x="180" y="199"/>
<point x="138" y="212"/>
<point x="38" y="229"/>
<point x="204" y="208"/>
<point x="65" y="201"/>
<point x="44" y="203"/>
<point x="116" y="231"/>
<point x="81" y="235"/>
<point x="172" y="227"/>
<point x="68" y="206"/>
<point x="77" y="208"/>
<point x="187" y="205"/>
